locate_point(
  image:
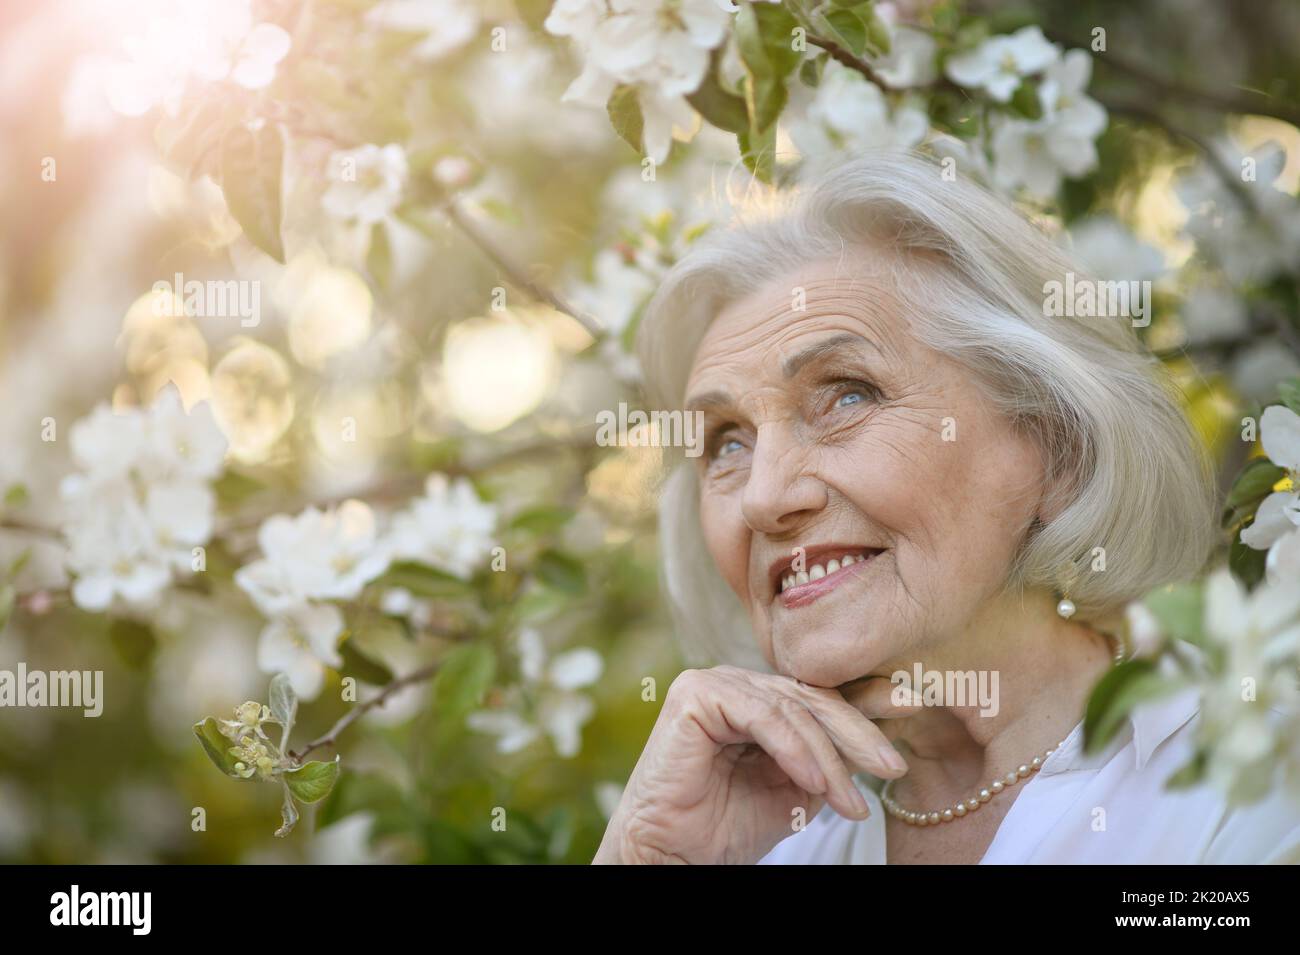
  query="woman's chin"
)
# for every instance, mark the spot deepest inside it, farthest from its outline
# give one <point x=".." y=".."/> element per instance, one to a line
<point x="827" y="657"/>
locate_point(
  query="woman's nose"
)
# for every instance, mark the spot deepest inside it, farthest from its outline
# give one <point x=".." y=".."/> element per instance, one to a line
<point x="781" y="490"/>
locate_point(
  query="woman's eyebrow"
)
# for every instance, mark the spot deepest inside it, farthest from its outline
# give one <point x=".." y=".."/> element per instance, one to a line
<point x="846" y="341"/>
<point x="709" y="401"/>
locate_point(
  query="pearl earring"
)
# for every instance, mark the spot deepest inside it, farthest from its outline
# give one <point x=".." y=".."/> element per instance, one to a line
<point x="1066" y="608"/>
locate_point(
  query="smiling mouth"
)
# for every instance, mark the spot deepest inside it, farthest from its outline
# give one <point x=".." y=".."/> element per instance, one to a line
<point x="825" y="571"/>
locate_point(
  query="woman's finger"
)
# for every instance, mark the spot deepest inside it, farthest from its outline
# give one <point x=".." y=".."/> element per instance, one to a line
<point x="863" y="744"/>
<point x="878" y="698"/>
<point x="844" y="797"/>
<point x="732" y="715"/>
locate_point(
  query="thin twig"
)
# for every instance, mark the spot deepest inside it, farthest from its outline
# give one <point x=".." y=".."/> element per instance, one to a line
<point x="1225" y="172"/>
<point x="361" y="709"/>
<point x="23" y="527"/>
<point x="404" y="484"/>
<point x="516" y="274"/>
<point x="1257" y="103"/>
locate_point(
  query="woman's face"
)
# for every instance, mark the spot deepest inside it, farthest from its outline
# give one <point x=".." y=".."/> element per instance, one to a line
<point x="832" y="432"/>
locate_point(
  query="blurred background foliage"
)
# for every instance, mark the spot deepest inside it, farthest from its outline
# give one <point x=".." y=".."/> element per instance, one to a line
<point x="514" y="198"/>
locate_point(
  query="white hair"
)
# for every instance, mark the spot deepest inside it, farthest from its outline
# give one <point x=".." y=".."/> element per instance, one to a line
<point x="972" y="274"/>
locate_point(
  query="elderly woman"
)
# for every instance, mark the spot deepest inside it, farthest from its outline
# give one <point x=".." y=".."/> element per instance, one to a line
<point x="909" y="467"/>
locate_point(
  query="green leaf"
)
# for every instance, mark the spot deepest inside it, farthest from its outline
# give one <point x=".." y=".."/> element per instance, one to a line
<point x="764" y="32"/>
<point x="1025" y="101"/>
<point x="543" y="519"/>
<point x="1289" y="393"/>
<point x="1254" y="483"/>
<point x="501" y="211"/>
<point x="312" y="782"/>
<point x="288" y="814"/>
<point x="722" y="109"/>
<point x="134" y="642"/>
<point x="7" y="597"/>
<point x="216" y="746"/>
<point x="847" y="26"/>
<point x="534" y="13"/>
<point x="234" y="488"/>
<point x="379" y="260"/>
<point x="463" y="679"/>
<point x="19" y="562"/>
<point x="1246" y="563"/>
<point x="562" y="571"/>
<point x="1180" y="610"/>
<point x="540" y="603"/>
<point x="423" y="580"/>
<point x="810" y="71"/>
<point x="878" y="43"/>
<point x="758" y="150"/>
<point x="186" y="140"/>
<point x="15" y="495"/>
<point x="1118" y="692"/>
<point x="251" y="176"/>
<point x="283" y="702"/>
<point x="365" y="669"/>
<point x="624" y="108"/>
<point x="1191" y="772"/>
<point x="355" y="792"/>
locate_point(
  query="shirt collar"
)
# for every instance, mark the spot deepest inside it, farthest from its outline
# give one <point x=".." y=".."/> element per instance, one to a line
<point x="1149" y="725"/>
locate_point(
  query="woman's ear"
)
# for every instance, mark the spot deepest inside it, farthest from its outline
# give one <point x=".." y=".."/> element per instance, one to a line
<point x="1051" y="504"/>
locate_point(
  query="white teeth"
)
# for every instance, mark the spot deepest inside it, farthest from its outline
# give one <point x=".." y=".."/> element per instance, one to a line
<point x="818" y="571"/>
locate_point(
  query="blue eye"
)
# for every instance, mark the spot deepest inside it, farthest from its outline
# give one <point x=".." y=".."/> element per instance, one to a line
<point x="727" y="447"/>
<point x="852" y="398"/>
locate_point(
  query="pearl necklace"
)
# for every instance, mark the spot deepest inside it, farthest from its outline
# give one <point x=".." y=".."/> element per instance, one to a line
<point x="968" y="806"/>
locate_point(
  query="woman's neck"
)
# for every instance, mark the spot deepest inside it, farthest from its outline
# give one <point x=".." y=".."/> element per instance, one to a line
<point x="1032" y="672"/>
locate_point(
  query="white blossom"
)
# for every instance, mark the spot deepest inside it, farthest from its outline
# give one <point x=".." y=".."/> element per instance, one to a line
<point x="317" y="555"/>
<point x="366" y="183"/>
<point x="1037" y="154"/>
<point x="911" y="57"/>
<point x="1251" y="230"/>
<point x="111" y="550"/>
<point x="307" y="561"/>
<point x="140" y="501"/>
<point x="848" y="112"/>
<point x="547" y="701"/>
<point x="618" y="290"/>
<point x="1111" y="251"/>
<point x="998" y="65"/>
<point x="446" y="25"/>
<point x="1260" y="635"/>
<point x="240" y="50"/>
<point x="202" y="41"/>
<point x="448" y="527"/>
<point x="301" y="645"/>
<point x="661" y="47"/>
<point x="1279" y="513"/>
<point x="1212" y="312"/>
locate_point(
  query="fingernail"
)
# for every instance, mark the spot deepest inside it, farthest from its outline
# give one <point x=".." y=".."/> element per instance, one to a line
<point x="890" y="757"/>
<point x="859" y="802"/>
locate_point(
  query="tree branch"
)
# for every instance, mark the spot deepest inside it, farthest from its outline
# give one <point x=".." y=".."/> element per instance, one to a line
<point x="1145" y="113"/>
<point x="361" y="709"/>
<point x="23" y="527"/>
<point x="1256" y="103"/>
<point x="516" y="274"/>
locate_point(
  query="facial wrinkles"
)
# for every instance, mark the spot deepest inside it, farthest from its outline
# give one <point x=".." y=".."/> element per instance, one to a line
<point x="730" y="348"/>
<point x="734" y="347"/>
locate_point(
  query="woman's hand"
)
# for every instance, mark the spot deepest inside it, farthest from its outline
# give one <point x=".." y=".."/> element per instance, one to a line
<point x="732" y="759"/>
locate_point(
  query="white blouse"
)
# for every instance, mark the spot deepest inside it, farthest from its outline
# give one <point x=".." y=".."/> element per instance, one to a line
<point x="1108" y="808"/>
